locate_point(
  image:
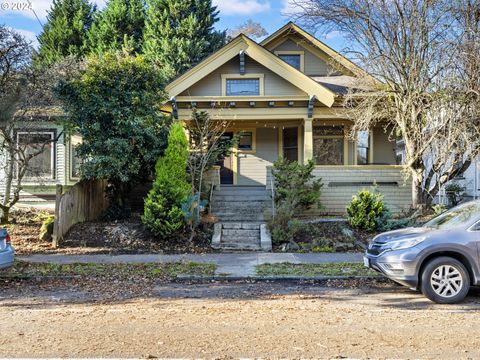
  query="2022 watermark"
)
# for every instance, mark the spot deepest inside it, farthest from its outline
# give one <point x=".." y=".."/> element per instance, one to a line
<point x="16" y="6"/>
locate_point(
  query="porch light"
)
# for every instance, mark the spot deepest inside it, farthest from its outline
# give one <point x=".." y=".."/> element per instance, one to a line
<point x="252" y="103"/>
<point x="271" y="103"/>
<point x="232" y="104"/>
<point x="290" y="103"/>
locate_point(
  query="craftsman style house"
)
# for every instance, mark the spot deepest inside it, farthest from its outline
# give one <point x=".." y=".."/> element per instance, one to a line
<point x="285" y="96"/>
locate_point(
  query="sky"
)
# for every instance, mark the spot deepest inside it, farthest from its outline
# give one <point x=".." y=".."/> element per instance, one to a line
<point x="272" y="14"/>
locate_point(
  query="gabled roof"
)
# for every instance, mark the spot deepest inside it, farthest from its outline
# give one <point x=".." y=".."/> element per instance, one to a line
<point x="259" y="54"/>
<point x="290" y="28"/>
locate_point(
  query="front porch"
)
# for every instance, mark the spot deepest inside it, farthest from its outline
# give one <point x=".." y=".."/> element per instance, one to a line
<point x="345" y="165"/>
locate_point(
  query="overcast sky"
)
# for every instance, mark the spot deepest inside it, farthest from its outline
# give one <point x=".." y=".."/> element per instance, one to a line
<point x="272" y="14"/>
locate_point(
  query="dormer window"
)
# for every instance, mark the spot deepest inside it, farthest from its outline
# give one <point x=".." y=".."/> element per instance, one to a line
<point x="294" y="58"/>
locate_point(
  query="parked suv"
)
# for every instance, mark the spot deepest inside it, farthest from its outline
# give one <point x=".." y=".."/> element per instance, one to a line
<point x="6" y="250"/>
<point x="440" y="258"/>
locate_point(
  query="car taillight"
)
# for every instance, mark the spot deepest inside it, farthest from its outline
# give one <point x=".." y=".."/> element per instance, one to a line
<point x="8" y="240"/>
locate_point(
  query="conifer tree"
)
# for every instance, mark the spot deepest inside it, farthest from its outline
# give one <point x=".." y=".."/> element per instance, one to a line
<point x="120" y="24"/>
<point x="179" y="34"/>
<point x="65" y="32"/>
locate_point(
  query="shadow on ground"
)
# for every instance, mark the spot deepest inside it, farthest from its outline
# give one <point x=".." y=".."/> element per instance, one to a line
<point x="381" y="293"/>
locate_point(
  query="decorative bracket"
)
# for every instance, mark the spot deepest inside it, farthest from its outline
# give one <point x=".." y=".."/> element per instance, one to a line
<point x="242" y="62"/>
<point x="311" y="102"/>
<point x="173" y="100"/>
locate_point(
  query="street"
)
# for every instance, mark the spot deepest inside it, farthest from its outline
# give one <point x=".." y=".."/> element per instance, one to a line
<point x="234" y="319"/>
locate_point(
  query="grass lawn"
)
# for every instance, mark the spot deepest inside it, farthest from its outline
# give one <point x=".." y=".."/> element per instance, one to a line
<point x="327" y="269"/>
<point x="115" y="271"/>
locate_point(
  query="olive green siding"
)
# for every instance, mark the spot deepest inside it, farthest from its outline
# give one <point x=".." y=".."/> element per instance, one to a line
<point x="341" y="183"/>
<point x="252" y="166"/>
<point x="314" y="66"/>
<point x="211" y="85"/>
<point x="383" y="149"/>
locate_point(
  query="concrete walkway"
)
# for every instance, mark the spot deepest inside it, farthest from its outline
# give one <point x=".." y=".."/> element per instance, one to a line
<point x="230" y="264"/>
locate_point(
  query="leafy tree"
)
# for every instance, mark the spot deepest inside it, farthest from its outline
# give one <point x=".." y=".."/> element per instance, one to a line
<point x="250" y="28"/>
<point x="65" y="32"/>
<point x="179" y="34"/>
<point x="163" y="213"/>
<point x="114" y="104"/>
<point x="120" y="23"/>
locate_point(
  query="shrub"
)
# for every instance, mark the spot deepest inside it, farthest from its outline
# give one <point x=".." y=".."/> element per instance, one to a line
<point x="163" y="213"/>
<point x="364" y="210"/>
<point x="454" y="193"/>
<point x="439" y="208"/>
<point x="296" y="189"/>
<point x="46" y="231"/>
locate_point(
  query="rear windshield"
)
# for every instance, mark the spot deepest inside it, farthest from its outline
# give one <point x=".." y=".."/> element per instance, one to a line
<point x="459" y="216"/>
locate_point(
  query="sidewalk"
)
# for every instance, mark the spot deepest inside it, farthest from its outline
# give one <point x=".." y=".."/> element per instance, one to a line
<point x="231" y="264"/>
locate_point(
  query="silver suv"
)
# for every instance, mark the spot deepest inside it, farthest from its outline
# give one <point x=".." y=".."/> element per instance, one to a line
<point x="440" y="258"/>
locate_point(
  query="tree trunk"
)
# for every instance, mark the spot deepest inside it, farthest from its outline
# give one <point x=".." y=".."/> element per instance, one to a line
<point x="418" y="193"/>
<point x="9" y="177"/>
<point x="5" y="212"/>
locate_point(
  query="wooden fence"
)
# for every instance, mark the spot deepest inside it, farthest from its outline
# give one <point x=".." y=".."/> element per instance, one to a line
<point x="85" y="201"/>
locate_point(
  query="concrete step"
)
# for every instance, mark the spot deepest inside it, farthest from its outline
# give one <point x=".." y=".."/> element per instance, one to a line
<point x="240" y="203"/>
<point x="240" y="233"/>
<point x="229" y="216"/>
<point x="241" y="189"/>
<point x="239" y="197"/>
<point x="236" y="246"/>
<point x="240" y="225"/>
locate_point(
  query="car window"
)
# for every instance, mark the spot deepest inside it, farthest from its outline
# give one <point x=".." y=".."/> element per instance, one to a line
<point x="457" y="217"/>
<point x="476" y="227"/>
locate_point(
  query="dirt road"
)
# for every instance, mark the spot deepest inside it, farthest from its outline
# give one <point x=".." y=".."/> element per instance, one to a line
<point x="236" y="320"/>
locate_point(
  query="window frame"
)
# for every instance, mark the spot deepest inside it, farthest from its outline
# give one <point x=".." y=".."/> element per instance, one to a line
<point x="261" y="83"/>
<point x="254" y="141"/>
<point x="72" y="145"/>
<point x="369" y="152"/>
<point x="343" y="137"/>
<point x="293" y="52"/>
<point x="53" y="153"/>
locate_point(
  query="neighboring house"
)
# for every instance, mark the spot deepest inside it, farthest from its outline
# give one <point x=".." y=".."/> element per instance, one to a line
<point x="285" y="95"/>
<point x="470" y="180"/>
<point x="57" y="164"/>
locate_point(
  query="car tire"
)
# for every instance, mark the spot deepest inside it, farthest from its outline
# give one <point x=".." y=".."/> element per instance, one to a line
<point x="445" y="280"/>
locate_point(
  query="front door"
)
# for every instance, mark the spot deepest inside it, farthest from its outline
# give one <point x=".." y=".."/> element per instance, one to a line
<point x="226" y="165"/>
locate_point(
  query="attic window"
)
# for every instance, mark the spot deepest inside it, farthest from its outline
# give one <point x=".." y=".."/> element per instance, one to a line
<point x="243" y="87"/>
<point x="293" y="58"/>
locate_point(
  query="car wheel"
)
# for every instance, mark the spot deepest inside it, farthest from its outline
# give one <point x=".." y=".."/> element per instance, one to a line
<point x="445" y="280"/>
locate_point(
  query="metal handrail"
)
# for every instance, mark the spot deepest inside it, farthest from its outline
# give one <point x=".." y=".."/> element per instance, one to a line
<point x="210" y="197"/>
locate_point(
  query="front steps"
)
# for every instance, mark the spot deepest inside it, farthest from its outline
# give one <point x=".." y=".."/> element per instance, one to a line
<point x="241" y="226"/>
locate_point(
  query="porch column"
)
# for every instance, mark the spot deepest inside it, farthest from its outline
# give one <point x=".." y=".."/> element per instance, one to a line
<point x="307" y="139"/>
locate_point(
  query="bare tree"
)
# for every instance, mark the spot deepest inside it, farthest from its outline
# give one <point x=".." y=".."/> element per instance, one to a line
<point x="207" y="145"/>
<point x="250" y="28"/>
<point x="24" y="94"/>
<point x="425" y="56"/>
